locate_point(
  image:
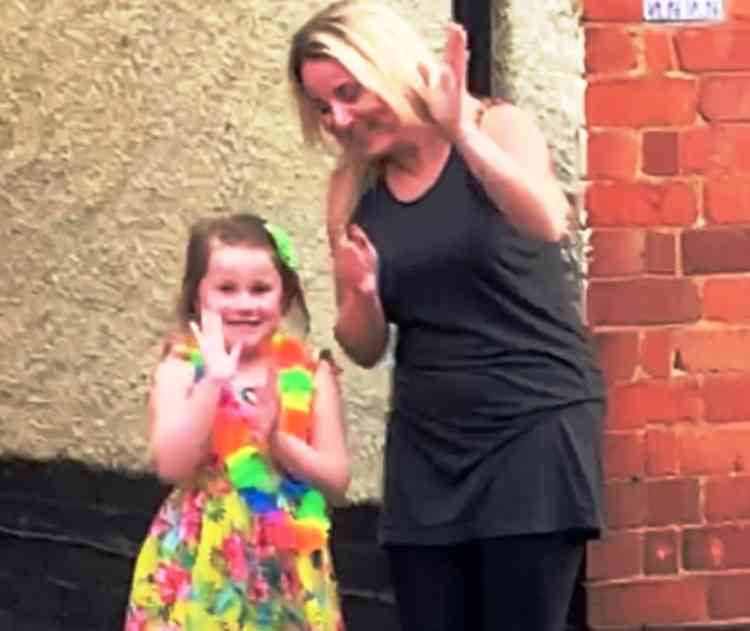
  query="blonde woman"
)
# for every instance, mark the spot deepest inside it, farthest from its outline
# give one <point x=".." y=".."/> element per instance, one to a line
<point x="445" y="219"/>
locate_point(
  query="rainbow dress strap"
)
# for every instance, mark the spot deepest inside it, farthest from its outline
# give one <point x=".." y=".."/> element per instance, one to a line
<point x="293" y="515"/>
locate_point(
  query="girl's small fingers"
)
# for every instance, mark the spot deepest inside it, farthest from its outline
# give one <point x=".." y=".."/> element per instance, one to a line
<point x="196" y="331"/>
<point x="212" y="323"/>
<point x="234" y="354"/>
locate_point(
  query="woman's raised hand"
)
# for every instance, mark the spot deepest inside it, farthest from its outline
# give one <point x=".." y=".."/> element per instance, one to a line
<point x="448" y="95"/>
<point x="355" y="261"/>
<point x="220" y="366"/>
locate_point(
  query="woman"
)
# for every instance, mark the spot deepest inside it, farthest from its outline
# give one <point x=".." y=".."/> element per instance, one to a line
<point x="445" y="219"/>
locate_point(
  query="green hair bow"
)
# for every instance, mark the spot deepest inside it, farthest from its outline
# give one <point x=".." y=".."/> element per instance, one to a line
<point x="284" y="246"/>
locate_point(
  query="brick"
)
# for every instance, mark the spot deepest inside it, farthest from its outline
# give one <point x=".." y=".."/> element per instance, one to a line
<point x="617" y="253"/>
<point x="642" y="102"/>
<point x="657" y="352"/>
<point x="696" y="150"/>
<point x="612" y="154"/>
<point x="662" y="453"/>
<point x="711" y="350"/>
<point x="727" y="299"/>
<point x="643" y="301"/>
<point x="717" y="149"/>
<point x="727" y="199"/>
<point x="612" y="11"/>
<point x="632" y="406"/>
<point x="609" y="49"/>
<point x="658" y="50"/>
<point x="727" y="397"/>
<point x="625" y="504"/>
<point x="719" y="48"/>
<point x="674" y="501"/>
<point x="660" y="153"/>
<point x="617" y="353"/>
<point x="651" y="601"/>
<point x="725" y="98"/>
<point x="714" y="451"/>
<point x="624" y="456"/>
<point x="739" y="9"/>
<point x="732" y="148"/>
<point x="615" y="555"/>
<point x="625" y="204"/>
<point x="729" y="597"/>
<point x="716" y="251"/>
<point x="728" y="498"/>
<point x="660" y="253"/>
<point x="716" y="547"/>
<point x="661" y="552"/>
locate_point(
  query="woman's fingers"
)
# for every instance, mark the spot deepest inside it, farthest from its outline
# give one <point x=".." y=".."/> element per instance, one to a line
<point x="363" y="256"/>
<point x="356" y="234"/>
<point x="456" y="55"/>
<point x="212" y="329"/>
<point x="361" y="241"/>
<point x="424" y="73"/>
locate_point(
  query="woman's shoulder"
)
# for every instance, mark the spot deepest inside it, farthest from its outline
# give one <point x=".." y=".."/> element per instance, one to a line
<point x="498" y="113"/>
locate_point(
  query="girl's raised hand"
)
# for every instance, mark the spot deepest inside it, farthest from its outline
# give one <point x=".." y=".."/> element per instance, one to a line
<point x="220" y="366"/>
<point x="448" y="95"/>
<point x="355" y="260"/>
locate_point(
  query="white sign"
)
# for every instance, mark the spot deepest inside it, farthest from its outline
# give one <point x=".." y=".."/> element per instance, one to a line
<point x="683" y="10"/>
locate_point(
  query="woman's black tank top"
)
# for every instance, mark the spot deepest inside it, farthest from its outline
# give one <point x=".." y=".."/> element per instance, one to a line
<point x="488" y="337"/>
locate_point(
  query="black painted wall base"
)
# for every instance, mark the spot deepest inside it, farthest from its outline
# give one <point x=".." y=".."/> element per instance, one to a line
<point x="69" y="535"/>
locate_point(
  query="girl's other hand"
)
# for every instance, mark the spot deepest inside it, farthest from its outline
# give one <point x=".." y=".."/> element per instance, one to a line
<point x="268" y="406"/>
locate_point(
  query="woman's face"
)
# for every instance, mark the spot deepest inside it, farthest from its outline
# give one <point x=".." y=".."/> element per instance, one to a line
<point x="356" y="117"/>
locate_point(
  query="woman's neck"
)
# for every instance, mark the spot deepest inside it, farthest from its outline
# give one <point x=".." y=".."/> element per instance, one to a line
<point x="413" y="168"/>
<point x="417" y="153"/>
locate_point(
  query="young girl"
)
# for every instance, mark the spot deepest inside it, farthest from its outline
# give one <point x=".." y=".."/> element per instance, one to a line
<point x="248" y="426"/>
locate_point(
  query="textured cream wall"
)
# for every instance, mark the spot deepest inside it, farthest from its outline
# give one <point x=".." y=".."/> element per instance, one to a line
<point x="538" y="64"/>
<point x="119" y="123"/>
<point x="538" y="53"/>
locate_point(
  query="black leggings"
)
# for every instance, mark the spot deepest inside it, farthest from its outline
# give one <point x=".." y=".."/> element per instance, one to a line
<point x="519" y="583"/>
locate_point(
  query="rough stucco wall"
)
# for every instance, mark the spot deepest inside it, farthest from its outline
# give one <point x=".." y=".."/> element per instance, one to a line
<point x="538" y="53"/>
<point x="120" y="123"/>
<point x="538" y="64"/>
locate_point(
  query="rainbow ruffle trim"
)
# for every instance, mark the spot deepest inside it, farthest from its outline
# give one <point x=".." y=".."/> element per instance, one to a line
<point x="294" y="514"/>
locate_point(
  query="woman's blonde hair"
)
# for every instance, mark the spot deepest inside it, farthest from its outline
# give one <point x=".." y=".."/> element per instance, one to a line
<point x="386" y="55"/>
<point x="377" y="46"/>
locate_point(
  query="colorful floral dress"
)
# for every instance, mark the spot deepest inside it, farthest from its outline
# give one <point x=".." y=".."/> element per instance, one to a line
<point x="242" y="546"/>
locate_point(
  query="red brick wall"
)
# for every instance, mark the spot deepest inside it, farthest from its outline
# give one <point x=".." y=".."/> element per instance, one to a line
<point x="668" y="114"/>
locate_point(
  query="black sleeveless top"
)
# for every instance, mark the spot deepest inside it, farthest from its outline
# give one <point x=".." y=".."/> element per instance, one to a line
<point x="496" y="404"/>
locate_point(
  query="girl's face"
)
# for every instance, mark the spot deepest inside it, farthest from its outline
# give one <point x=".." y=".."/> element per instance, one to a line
<point x="356" y="117"/>
<point x="244" y="287"/>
